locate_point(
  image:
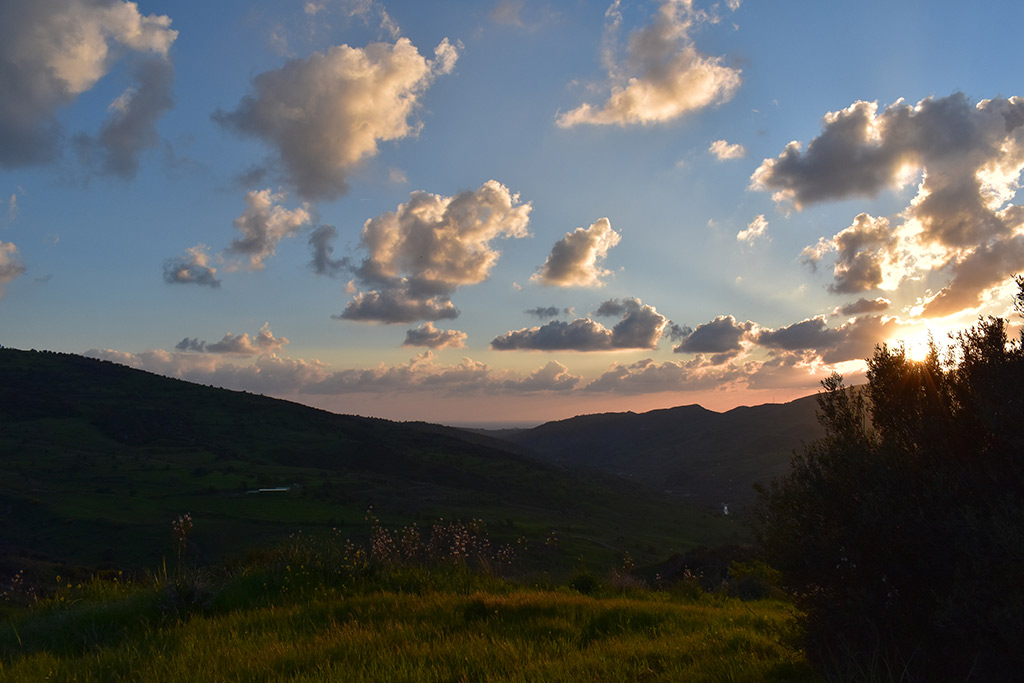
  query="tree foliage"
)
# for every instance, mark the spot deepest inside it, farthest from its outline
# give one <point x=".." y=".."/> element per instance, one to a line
<point x="902" y="529"/>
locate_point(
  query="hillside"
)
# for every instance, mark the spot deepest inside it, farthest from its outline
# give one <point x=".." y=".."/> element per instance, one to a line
<point x="708" y="457"/>
<point x="96" y="459"/>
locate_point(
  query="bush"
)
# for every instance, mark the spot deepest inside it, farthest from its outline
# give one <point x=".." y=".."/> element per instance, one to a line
<point x="902" y="530"/>
<point x="584" y="582"/>
<point x="753" y="581"/>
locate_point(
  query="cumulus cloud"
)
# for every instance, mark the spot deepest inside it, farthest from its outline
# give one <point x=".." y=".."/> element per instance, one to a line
<point x="429" y="336"/>
<point x="263" y="341"/>
<point x="647" y="376"/>
<point x="723" y="151"/>
<point x="864" y="306"/>
<point x="582" y="334"/>
<point x="419" y="254"/>
<point x="611" y="308"/>
<point x="961" y="222"/>
<point x="662" y="77"/>
<point x="263" y="224"/>
<point x="193" y="267"/>
<point x="272" y="374"/>
<point x="854" y="340"/>
<point x="721" y="335"/>
<point x="863" y="251"/>
<point x="552" y="377"/>
<point x="979" y="271"/>
<point x="11" y="265"/>
<point x="325" y="114"/>
<point x="423" y="373"/>
<point x="756" y="228"/>
<point x="641" y="327"/>
<point x="322" y="262"/>
<point x="131" y="126"/>
<point x="573" y="261"/>
<point x="396" y="305"/>
<point x="52" y="51"/>
<point x="267" y="374"/>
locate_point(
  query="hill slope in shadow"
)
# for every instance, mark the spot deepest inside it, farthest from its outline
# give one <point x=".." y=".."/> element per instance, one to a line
<point x="96" y="459"/>
<point x="711" y="458"/>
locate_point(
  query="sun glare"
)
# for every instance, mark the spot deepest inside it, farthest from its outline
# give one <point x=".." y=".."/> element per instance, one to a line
<point x="916" y="344"/>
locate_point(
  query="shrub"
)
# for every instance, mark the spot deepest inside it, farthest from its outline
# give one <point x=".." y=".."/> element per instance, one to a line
<point x="902" y="529"/>
<point x="584" y="582"/>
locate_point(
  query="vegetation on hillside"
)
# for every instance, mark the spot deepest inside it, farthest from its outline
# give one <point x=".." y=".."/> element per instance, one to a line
<point x="408" y="605"/>
<point x="96" y="457"/>
<point x="903" y="528"/>
<point x="707" y="457"/>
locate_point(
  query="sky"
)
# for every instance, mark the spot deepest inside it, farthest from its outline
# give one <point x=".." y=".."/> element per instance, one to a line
<point x="507" y="211"/>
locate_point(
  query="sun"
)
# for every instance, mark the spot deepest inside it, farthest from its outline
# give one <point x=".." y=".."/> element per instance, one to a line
<point x="917" y="348"/>
<point x="917" y="343"/>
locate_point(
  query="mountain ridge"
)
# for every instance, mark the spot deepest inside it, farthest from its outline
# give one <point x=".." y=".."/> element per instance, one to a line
<point x="714" y="458"/>
<point x="97" y="458"/>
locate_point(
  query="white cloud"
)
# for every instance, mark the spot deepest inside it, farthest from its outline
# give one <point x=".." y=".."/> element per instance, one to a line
<point x="647" y="376"/>
<point x="266" y="374"/>
<point x="573" y="261"/>
<point x="325" y="114"/>
<point x="51" y="51"/>
<point x="854" y="340"/>
<point x="11" y="265"/>
<point x="263" y="341"/>
<point x="663" y="76"/>
<point x="263" y="224"/>
<point x="641" y="327"/>
<point x="193" y="267"/>
<point x="430" y="246"/>
<point x="269" y="373"/>
<point x="960" y="224"/>
<point x="756" y="228"/>
<point x="723" y="151"/>
<point x="396" y="305"/>
<point x="721" y="335"/>
<point x="429" y="336"/>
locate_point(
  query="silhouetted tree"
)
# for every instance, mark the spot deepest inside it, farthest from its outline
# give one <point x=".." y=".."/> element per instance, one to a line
<point x="902" y="530"/>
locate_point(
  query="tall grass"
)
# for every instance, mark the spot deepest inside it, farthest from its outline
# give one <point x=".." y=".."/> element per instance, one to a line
<point x="432" y="607"/>
<point x="522" y="634"/>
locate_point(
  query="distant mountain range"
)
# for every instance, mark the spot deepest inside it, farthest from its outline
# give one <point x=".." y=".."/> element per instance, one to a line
<point x="710" y="458"/>
<point x="97" y="459"/>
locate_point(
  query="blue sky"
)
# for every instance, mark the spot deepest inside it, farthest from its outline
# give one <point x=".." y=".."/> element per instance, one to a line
<point x="506" y="211"/>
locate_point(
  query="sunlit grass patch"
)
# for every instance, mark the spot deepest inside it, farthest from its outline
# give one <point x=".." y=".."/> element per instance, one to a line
<point x="516" y="633"/>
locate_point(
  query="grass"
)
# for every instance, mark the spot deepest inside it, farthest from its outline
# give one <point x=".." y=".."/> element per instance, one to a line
<point x="496" y="632"/>
<point x="436" y="604"/>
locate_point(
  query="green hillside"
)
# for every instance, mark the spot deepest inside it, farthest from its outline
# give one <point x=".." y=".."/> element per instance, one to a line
<point x="96" y="459"/>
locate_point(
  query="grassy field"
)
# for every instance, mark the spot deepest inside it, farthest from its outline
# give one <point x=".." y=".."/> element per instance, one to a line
<point x="292" y="624"/>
